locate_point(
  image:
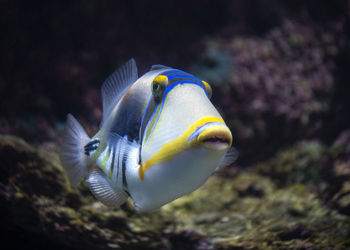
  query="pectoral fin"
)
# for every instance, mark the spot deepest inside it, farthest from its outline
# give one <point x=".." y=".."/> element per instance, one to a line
<point x="103" y="189"/>
<point x="229" y="158"/>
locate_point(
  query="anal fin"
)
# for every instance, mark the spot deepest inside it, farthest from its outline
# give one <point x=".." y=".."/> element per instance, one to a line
<point x="104" y="190"/>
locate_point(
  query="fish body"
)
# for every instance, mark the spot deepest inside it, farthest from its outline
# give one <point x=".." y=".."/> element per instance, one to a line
<point x="160" y="138"/>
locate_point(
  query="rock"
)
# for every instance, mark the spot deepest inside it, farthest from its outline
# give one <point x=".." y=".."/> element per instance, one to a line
<point x="37" y="200"/>
<point x="249" y="189"/>
<point x="40" y="210"/>
<point x="324" y="169"/>
<point x="301" y="163"/>
<point x="337" y="172"/>
<point x="295" y="231"/>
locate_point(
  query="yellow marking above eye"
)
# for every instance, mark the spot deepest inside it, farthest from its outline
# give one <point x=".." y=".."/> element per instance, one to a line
<point x="158" y="86"/>
<point x="170" y="149"/>
<point x="207" y="89"/>
<point x="159" y="81"/>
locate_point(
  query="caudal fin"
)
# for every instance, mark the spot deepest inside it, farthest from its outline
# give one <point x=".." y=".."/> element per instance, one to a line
<point x="72" y="156"/>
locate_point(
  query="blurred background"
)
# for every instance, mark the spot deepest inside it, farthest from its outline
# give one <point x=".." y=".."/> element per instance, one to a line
<point x="280" y="73"/>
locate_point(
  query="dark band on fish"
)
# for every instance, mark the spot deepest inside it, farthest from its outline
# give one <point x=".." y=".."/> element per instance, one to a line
<point x="125" y="184"/>
<point x="113" y="157"/>
<point x="127" y="192"/>
<point x="150" y="108"/>
<point x="118" y="167"/>
<point x="91" y="146"/>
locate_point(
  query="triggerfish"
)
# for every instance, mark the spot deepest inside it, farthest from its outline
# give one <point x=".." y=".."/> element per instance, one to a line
<point x="160" y="138"/>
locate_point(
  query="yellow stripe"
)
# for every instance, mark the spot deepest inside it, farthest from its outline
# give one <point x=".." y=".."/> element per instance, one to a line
<point x="104" y="161"/>
<point x="152" y="123"/>
<point x="111" y="168"/>
<point x="170" y="149"/>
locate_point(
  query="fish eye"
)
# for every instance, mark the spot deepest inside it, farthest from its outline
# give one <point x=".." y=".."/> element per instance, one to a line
<point x="208" y="89"/>
<point x="158" y="86"/>
<point x="155" y="86"/>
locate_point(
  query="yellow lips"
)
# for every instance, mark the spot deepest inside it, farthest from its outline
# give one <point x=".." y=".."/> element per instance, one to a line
<point x="216" y="137"/>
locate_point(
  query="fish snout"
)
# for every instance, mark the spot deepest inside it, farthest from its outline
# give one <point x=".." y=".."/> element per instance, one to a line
<point x="215" y="136"/>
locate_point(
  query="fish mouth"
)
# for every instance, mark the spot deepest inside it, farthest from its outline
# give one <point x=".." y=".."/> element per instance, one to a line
<point x="216" y="137"/>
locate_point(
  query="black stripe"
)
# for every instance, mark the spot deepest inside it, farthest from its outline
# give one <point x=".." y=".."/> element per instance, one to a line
<point x="126" y="191"/>
<point x="113" y="156"/>
<point x="118" y="166"/>
<point x="92" y="142"/>
<point x="91" y="146"/>
<point x="125" y="184"/>
<point x="150" y="109"/>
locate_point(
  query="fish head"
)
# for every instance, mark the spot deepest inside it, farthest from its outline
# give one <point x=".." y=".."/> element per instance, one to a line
<point x="183" y="119"/>
<point x="184" y="140"/>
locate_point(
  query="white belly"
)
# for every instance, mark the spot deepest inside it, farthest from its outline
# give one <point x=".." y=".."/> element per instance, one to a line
<point x="170" y="180"/>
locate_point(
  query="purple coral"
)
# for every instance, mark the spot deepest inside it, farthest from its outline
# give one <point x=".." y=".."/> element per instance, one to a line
<point x="280" y="85"/>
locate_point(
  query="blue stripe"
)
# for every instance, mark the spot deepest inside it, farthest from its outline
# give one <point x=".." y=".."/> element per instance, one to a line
<point x="169" y="88"/>
<point x="183" y="76"/>
<point x="174" y="71"/>
<point x="149" y="122"/>
<point x="199" y="130"/>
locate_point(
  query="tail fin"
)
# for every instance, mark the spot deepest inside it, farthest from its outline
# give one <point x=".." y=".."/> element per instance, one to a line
<point x="72" y="155"/>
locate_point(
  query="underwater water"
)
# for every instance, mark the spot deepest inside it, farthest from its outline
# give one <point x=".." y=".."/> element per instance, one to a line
<point x="280" y="78"/>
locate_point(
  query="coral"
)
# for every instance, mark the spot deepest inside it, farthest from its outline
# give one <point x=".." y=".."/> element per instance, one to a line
<point x="37" y="200"/>
<point x="325" y="170"/>
<point x="301" y="163"/>
<point x="336" y="172"/>
<point x="287" y="73"/>
<point x="247" y="212"/>
<point x="278" y="88"/>
<point x="276" y="218"/>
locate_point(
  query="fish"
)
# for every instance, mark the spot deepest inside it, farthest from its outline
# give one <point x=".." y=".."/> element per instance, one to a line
<point x="160" y="138"/>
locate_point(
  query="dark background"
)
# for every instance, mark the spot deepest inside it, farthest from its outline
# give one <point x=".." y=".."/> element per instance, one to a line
<point x="54" y="56"/>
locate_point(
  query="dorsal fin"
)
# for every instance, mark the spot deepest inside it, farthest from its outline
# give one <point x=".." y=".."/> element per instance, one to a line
<point x="115" y="86"/>
<point x="159" y="66"/>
